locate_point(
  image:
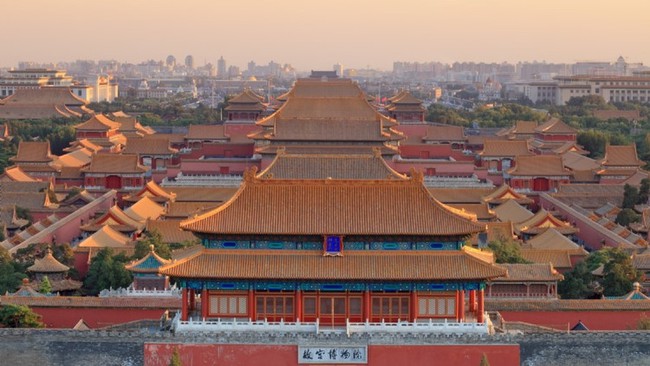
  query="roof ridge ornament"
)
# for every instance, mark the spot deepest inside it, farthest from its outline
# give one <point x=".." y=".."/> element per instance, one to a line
<point x="417" y="176"/>
<point x="249" y="174"/>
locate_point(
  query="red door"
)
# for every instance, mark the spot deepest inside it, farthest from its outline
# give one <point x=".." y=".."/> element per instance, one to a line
<point x="113" y="182"/>
<point x="540" y="184"/>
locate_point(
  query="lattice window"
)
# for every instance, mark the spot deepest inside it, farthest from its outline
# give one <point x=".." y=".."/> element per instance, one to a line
<point x="225" y="305"/>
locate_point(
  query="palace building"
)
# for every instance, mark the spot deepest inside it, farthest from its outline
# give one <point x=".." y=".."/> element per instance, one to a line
<point x="334" y="251"/>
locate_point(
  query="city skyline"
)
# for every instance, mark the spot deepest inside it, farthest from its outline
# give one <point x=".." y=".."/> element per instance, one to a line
<point x="318" y="34"/>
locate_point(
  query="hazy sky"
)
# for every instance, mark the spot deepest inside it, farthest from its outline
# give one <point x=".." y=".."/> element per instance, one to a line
<point x="315" y="34"/>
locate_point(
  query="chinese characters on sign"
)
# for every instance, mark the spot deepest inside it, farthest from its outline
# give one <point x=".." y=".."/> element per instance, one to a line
<point x="333" y="245"/>
<point x="330" y="355"/>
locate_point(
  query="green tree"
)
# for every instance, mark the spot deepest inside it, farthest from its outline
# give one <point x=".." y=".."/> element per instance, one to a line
<point x="107" y="271"/>
<point x="619" y="274"/>
<point x="630" y="196"/>
<point x="19" y="316"/>
<point x="593" y="141"/>
<point x="506" y="251"/>
<point x="154" y="238"/>
<point x="627" y="216"/>
<point x="176" y="358"/>
<point x="577" y="283"/>
<point x="46" y="286"/>
<point x="11" y="274"/>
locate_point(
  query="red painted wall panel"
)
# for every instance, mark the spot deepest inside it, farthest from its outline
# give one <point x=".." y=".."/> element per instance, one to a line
<point x="594" y="320"/>
<point x="159" y="354"/>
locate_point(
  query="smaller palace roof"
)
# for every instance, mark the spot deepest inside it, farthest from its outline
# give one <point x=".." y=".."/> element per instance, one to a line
<point x="503" y="148"/>
<point x="555" y="126"/>
<point x="506" y="193"/>
<point x="606" y="114"/>
<point x="206" y="133"/>
<point x="329" y="166"/>
<point x="106" y="237"/>
<point x="170" y="231"/>
<point x="354" y="265"/>
<point x="342" y="207"/>
<point x="551" y="239"/>
<point x="539" y="166"/>
<point x="530" y="272"/>
<point x="512" y="211"/>
<point x="149" y="264"/>
<point x="48" y="264"/>
<point x="16" y="174"/>
<point x="544" y="220"/>
<point x="33" y="152"/>
<point x="113" y="163"/>
<point x="560" y="259"/>
<point x="246" y="101"/>
<point x="42" y="103"/>
<point x="153" y="191"/>
<point x="98" y="122"/>
<point x="520" y="128"/>
<point x="145" y="209"/>
<point x="621" y="156"/>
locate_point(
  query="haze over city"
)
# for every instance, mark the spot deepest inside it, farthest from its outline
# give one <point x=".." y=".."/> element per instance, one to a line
<point x="317" y="34"/>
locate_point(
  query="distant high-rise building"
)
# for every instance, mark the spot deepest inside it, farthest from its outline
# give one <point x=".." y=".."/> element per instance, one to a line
<point x="189" y="61"/>
<point x="251" y="67"/>
<point x="233" y="72"/>
<point x="221" y="68"/>
<point x="171" y="61"/>
<point x="339" y="69"/>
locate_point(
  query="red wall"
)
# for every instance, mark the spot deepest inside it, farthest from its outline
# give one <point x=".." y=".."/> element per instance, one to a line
<point x="159" y="354"/>
<point x="94" y="317"/>
<point x="594" y="320"/>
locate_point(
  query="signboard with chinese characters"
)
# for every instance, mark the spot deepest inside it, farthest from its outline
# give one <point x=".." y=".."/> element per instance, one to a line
<point x="332" y="355"/>
<point x="333" y="245"/>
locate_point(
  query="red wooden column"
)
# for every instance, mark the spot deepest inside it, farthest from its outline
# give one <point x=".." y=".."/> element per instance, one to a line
<point x="461" y="305"/>
<point x="251" y="305"/>
<point x="205" y="303"/>
<point x="481" y="306"/>
<point x="192" y="296"/>
<point x="298" y="308"/>
<point x="472" y="300"/>
<point x="414" y="306"/>
<point x="366" y="305"/>
<point x="184" y="304"/>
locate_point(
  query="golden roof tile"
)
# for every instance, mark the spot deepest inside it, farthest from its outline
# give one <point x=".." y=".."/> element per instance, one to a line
<point x="344" y="207"/>
<point x="555" y="126"/>
<point x="503" y="148"/>
<point x="33" y="152"/>
<point x="529" y="273"/>
<point x="511" y="211"/>
<point x="206" y="132"/>
<point x="98" y="122"/>
<point x="505" y="193"/>
<point x="144" y="209"/>
<point x="170" y="230"/>
<point x="329" y="166"/>
<point x="621" y="156"/>
<point x="114" y="163"/>
<point x="445" y="134"/>
<point x="543" y="220"/>
<point x="558" y="258"/>
<point x="539" y="166"/>
<point x="149" y="146"/>
<point x="16" y="174"/>
<point x="106" y="237"/>
<point x="551" y="239"/>
<point x="353" y="265"/>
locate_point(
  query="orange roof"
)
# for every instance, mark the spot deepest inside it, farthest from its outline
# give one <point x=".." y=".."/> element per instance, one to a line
<point x="152" y="190"/>
<point x="33" y="152"/>
<point x="247" y="100"/>
<point x="115" y="217"/>
<point x="333" y="110"/>
<point x="353" y="265"/>
<point x="98" y="122"/>
<point x="512" y="211"/>
<point x="505" y="193"/>
<point x="551" y="239"/>
<point x="575" y="161"/>
<point x="14" y="173"/>
<point x="48" y="264"/>
<point x="503" y="148"/>
<point x="344" y="207"/>
<point x="41" y="103"/>
<point x="624" y="156"/>
<point x="404" y="97"/>
<point x="544" y="220"/>
<point x="445" y="133"/>
<point x="329" y="166"/>
<point x="170" y="230"/>
<point x="83" y="143"/>
<point x="460" y="195"/>
<point x="113" y="163"/>
<point x="76" y="158"/>
<point x="149" y="146"/>
<point x="555" y="126"/>
<point x="530" y="272"/>
<point x="481" y="210"/>
<point x="144" y="209"/>
<point x="558" y="258"/>
<point x="539" y="166"/>
<point x="106" y="238"/>
<point x="187" y="209"/>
